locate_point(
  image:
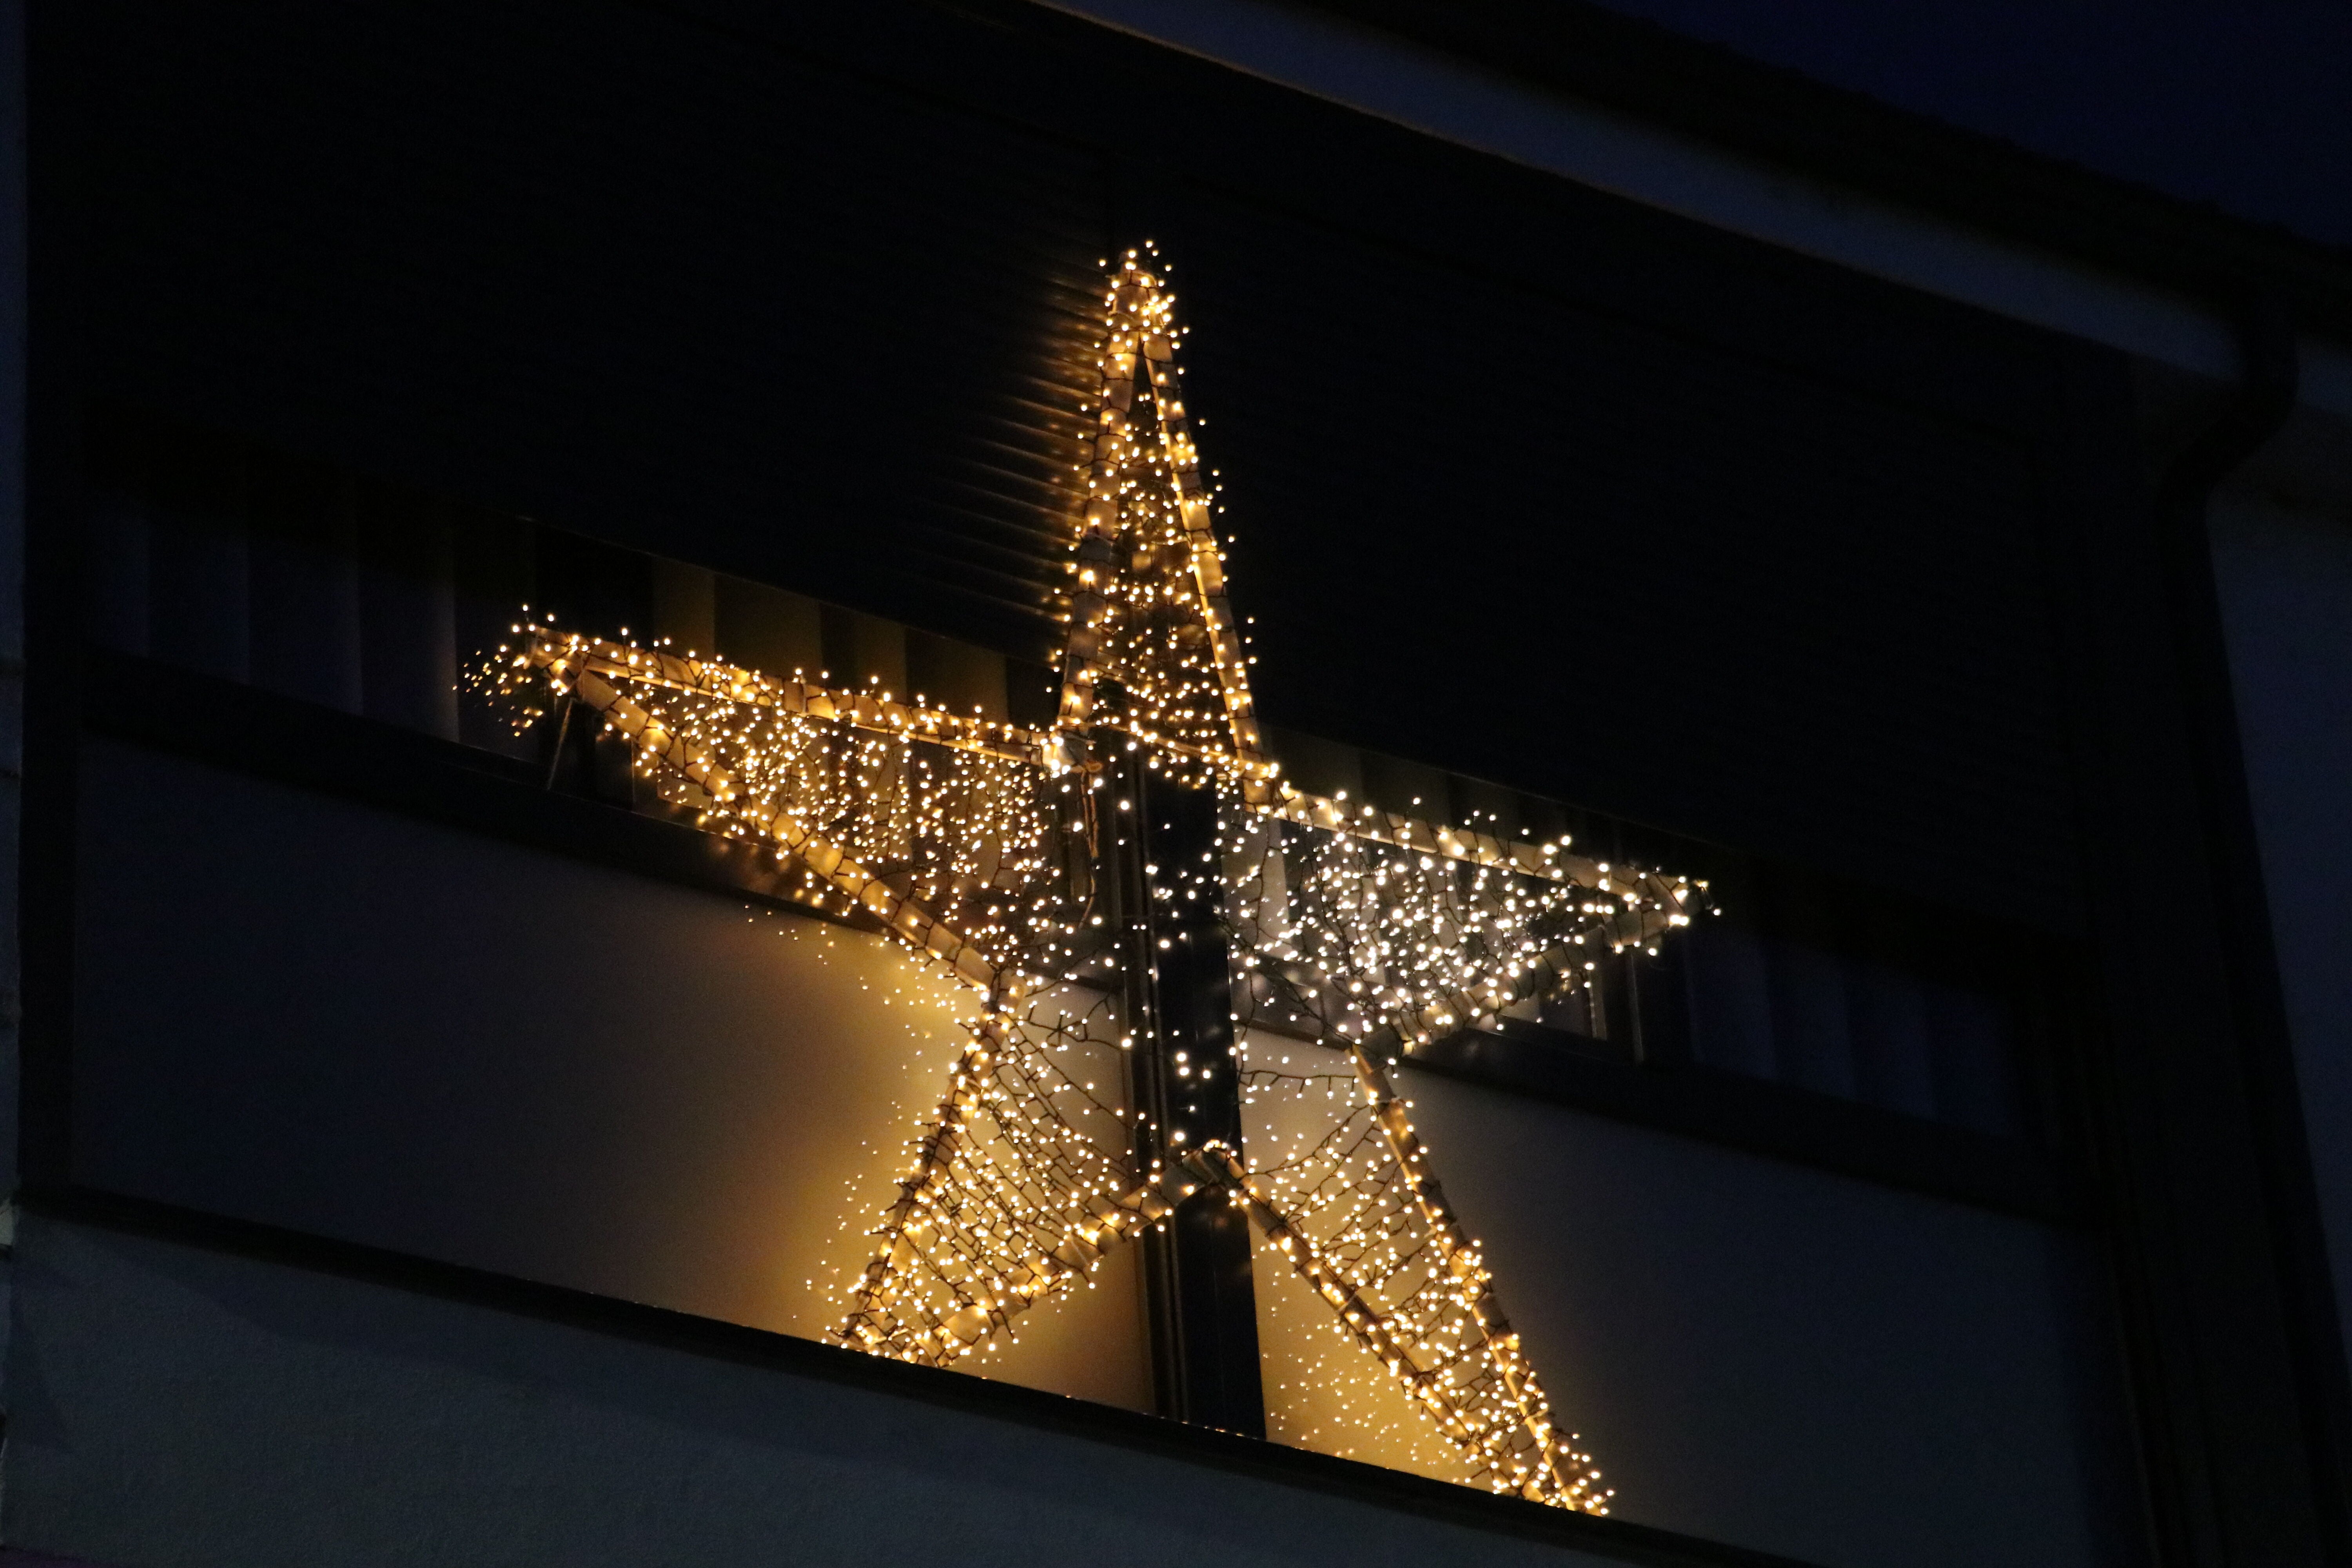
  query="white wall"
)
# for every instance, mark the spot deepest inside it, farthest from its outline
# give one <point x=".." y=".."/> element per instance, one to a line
<point x="180" y="1408"/>
<point x="1757" y="1353"/>
<point x="310" y="1012"/>
<point x="301" y="1010"/>
<point x="2285" y="572"/>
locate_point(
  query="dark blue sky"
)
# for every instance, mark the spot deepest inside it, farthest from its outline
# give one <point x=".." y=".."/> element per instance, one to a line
<point x="2246" y="105"/>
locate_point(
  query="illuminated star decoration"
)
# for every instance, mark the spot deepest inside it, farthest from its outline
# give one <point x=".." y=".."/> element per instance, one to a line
<point x="981" y="847"/>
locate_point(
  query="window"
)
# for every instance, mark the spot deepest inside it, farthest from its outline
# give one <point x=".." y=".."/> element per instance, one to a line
<point x="221" y="557"/>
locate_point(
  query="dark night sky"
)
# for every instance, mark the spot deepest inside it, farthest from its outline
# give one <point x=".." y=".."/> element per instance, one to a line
<point x="2245" y="105"/>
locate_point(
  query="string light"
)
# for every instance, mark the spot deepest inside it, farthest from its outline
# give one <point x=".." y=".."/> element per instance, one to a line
<point x="981" y="847"/>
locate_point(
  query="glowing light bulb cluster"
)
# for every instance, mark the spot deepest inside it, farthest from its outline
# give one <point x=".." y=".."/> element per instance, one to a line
<point x="1023" y="1181"/>
<point x="1391" y="945"/>
<point x="1152" y="647"/>
<point x="1365" y="1223"/>
<point x="981" y="847"/>
<point x="939" y="827"/>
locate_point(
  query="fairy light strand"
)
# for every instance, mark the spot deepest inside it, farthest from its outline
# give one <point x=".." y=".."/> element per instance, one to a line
<point x="978" y="845"/>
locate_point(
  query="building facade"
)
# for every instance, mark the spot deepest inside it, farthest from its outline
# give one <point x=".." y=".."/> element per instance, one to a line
<point x="1834" y="625"/>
